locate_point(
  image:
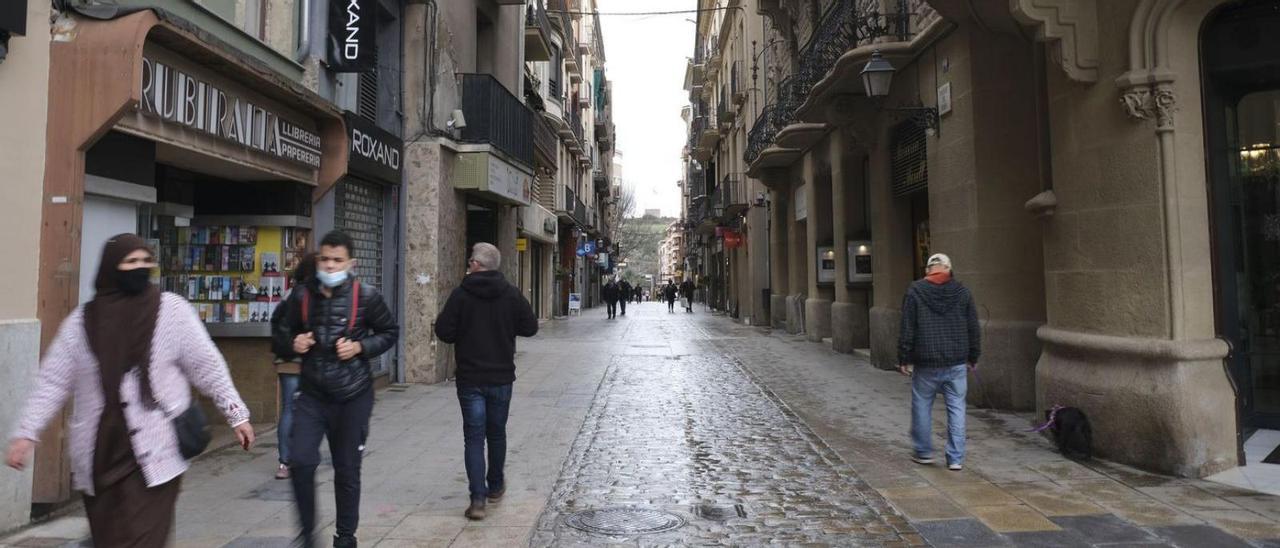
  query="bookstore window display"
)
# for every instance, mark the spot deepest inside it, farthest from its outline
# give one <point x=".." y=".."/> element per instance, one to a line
<point x="233" y="274"/>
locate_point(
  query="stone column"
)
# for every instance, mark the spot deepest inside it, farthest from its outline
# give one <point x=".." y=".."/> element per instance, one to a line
<point x="779" y="279"/>
<point x="842" y="310"/>
<point x="797" y="269"/>
<point x="817" y="307"/>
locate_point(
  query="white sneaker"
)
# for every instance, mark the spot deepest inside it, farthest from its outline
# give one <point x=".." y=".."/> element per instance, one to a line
<point x="955" y="467"/>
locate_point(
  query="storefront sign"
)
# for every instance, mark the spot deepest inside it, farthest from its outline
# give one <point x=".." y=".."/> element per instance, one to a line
<point x="539" y="224"/>
<point x="375" y="152"/>
<point x="522" y="244"/>
<point x="859" y="261"/>
<point x="180" y="98"/>
<point x="352" y="35"/>
<point x="508" y="181"/>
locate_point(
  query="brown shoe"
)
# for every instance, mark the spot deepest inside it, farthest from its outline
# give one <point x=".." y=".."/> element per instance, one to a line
<point x="495" y="496"/>
<point x="475" y="512"/>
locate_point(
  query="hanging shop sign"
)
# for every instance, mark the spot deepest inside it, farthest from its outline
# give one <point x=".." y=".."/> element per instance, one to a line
<point x="522" y="244"/>
<point x="732" y="239"/>
<point x="494" y="178"/>
<point x="196" y="103"/>
<point x="353" y="37"/>
<point x="375" y="152"/>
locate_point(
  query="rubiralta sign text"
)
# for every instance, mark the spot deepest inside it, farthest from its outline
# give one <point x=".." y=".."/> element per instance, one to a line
<point x="180" y="98"/>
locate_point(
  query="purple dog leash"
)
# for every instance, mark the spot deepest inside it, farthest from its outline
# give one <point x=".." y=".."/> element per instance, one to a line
<point x="1053" y="415"/>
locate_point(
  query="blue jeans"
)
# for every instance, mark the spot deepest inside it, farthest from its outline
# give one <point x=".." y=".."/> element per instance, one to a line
<point x="484" y="420"/>
<point x="926" y="382"/>
<point x="288" y="389"/>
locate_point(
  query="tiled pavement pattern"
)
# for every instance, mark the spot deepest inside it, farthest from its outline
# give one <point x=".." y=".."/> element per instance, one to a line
<point x="1016" y="490"/>
<point x="678" y="427"/>
<point x="580" y="378"/>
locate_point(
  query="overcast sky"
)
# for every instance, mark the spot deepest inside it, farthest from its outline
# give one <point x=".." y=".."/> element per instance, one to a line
<point x="646" y="58"/>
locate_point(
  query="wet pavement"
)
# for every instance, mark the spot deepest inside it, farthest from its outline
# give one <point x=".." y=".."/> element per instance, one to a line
<point x="680" y="427"/>
<point x="726" y="435"/>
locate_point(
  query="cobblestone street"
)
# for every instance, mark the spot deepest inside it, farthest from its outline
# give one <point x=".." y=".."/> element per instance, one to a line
<point x="727" y="434"/>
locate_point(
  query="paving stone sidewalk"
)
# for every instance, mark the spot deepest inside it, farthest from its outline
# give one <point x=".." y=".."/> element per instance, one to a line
<point x="748" y="436"/>
<point x="1016" y="490"/>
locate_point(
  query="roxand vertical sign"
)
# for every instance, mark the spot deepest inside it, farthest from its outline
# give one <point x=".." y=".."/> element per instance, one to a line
<point x="353" y="35"/>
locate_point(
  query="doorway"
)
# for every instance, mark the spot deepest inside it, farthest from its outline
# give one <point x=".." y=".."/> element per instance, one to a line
<point x="1240" y="59"/>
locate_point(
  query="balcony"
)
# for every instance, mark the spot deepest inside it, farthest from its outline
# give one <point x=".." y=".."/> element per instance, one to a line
<point x="544" y="141"/>
<point x="730" y="197"/>
<point x="497" y="118"/>
<point x="846" y="26"/>
<point x="579" y="212"/>
<point x="565" y="203"/>
<point x="737" y="86"/>
<point x="724" y="113"/>
<point x="710" y="136"/>
<point x="537" y="33"/>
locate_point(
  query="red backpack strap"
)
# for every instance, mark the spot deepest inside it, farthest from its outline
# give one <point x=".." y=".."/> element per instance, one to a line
<point x="355" y="305"/>
<point x="306" y="307"/>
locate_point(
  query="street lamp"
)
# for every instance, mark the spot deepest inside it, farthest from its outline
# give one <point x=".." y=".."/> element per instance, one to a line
<point x="877" y="77"/>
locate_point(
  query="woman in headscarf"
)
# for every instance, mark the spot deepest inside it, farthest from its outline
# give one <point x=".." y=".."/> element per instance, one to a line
<point x="129" y="358"/>
<point x="288" y="363"/>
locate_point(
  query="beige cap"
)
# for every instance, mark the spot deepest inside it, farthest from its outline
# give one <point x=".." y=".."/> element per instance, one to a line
<point x="939" y="259"/>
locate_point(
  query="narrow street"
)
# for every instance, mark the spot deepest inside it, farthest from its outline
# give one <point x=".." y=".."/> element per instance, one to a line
<point x="725" y="435"/>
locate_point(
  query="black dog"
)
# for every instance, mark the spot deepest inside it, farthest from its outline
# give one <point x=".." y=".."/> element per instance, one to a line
<point x="1072" y="433"/>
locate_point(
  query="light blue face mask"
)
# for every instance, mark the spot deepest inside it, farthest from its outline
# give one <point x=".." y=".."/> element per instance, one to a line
<point x="332" y="279"/>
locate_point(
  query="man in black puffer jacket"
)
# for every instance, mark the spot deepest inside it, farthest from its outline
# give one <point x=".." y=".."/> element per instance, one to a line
<point x="338" y="326"/>
<point x="481" y="320"/>
<point x="939" y="337"/>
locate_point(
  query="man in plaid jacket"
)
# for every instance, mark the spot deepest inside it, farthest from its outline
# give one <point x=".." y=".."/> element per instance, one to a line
<point x="939" y="337"/>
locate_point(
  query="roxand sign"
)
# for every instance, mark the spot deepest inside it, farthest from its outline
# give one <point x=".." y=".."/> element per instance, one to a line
<point x="375" y="152"/>
<point x="180" y="98"/>
<point x="353" y="35"/>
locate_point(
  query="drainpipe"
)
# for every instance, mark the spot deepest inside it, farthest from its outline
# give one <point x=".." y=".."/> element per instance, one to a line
<point x="304" y="32"/>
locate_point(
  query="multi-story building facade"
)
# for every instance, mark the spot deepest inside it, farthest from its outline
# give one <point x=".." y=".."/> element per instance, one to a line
<point x="24" y="82"/>
<point x="1094" y="169"/>
<point x="226" y="132"/>
<point x="730" y="256"/>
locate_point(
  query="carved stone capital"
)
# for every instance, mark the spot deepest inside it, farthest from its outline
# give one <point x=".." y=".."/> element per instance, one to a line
<point x="1166" y="105"/>
<point x="1138" y="103"/>
<point x="1147" y="102"/>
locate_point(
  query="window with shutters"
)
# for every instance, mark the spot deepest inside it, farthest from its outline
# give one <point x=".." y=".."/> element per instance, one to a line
<point x="910" y="159"/>
<point x="367" y="99"/>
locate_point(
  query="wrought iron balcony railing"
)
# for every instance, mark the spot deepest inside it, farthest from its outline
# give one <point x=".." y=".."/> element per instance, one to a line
<point x="496" y="117"/>
<point x="537" y="33"/>
<point x="544" y="138"/>
<point x="845" y="26"/>
<point x="730" y="196"/>
<point x="762" y="134"/>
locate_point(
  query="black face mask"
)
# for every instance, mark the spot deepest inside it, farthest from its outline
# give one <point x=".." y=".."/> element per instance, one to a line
<point x="133" y="282"/>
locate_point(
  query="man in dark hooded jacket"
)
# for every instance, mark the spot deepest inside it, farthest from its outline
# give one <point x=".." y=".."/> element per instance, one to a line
<point x="624" y="295"/>
<point x="939" y="337"/>
<point x="481" y="320"/>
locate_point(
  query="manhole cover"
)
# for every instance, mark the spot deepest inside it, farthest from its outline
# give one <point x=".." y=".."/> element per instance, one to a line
<point x="623" y="521"/>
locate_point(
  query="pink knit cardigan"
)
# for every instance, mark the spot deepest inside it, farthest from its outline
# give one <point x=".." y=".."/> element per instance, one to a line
<point x="182" y="354"/>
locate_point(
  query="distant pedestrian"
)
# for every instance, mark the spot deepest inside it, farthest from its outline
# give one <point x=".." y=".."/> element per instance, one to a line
<point x="686" y="291"/>
<point x="482" y="319"/>
<point x="288" y="364"/>
<point x="338" y="326"/>
<point x="939" y="336"/>
<point x="669" y="293"/>
<point x="624" y="295"/>
<point x="639" y="296"/>
<point x="610" y="295"/>
<point x="128" y="359"/>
